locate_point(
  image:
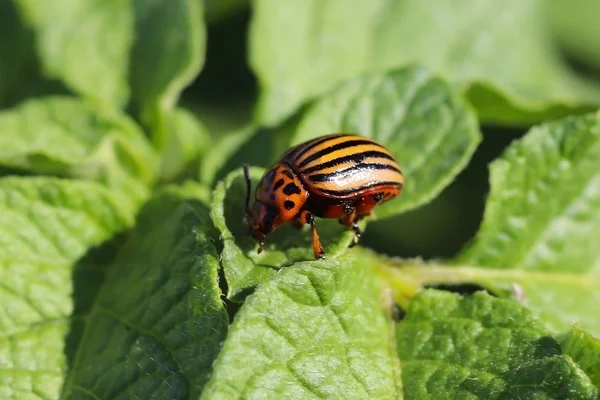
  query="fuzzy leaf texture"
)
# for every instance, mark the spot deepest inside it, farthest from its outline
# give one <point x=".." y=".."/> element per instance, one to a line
<point x="317" y="330"/>
<point x="47" y="226"/>
<point x="584" y="348"/>
<point x="539" y="234"/>
<point x="157" y="323"/>
<point x="66" y="137"/>
<point x="498" y="52"/>
<point x="481" y="347"/>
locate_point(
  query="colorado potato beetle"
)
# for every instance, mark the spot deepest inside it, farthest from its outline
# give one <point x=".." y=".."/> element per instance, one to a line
<point x="334" y="176"/>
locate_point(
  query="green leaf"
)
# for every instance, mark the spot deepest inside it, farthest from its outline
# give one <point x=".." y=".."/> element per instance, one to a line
<point x="543" y="211"/>
<point x="189" y="139"/>
<point x="46" y="227"/>
<point x="167" y="56"/>
<point x="540" y="228"/>
<point x="576" y="28"/>
<point x="157" y="323"/>
<point x="481" y="347"/>
<point x="66" y="137"/>
<point x="559" y="299"/>
<point x="244" y="268"/>
<point x="85" y="44"/>
<point x="317" y="330"/>
<point x="430" y="130"/>
<point x="115" y="51"/>
<point x="498" y="52"/>
<point x="584" y="349"/>
<point x="16" y="51"/>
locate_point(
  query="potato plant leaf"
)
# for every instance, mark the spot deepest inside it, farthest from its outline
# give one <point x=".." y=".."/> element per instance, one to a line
<point x="188" y="142"/>
<point x="66" y="137"/>
<point x="430" y="129"/>
<point x="543" y="211"/>
<point x="157" y="323"/>
<point x="167" y="55"/>
<point x="576" y="29"/>
<point x="483" y="347"/>
<point x="498" y="52"/>
<point x="559" y="299"/>
<point x="85" y="44"/>
<point x="115" y="52"/>
<point x="584" y="349"/>
<point x="316" y="330"/>
<point x="47" y="225"/>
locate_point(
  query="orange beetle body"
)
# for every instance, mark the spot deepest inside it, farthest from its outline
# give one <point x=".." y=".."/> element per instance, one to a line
<point x="335" y="176"/>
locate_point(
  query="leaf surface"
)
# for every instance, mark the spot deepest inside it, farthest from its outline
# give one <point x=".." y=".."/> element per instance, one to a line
<point x="115" y="52"/>
<point x="559" y="299"/>
<point x="188" y="141"/>
<point x="85" y="44"/>
<point x="498" y="52"/>
<point x="167" y="55"/>
<point x="543" y="211"/>
<point x="576" y="29"/>
<point x="157" y="323"/>
<point x="584" y="349"/>
<point x="47" y="226"/>
<point x="66" y="137"/>
<point x="316" y="330"/>
<point x="482" y="347"/>
<point x="429" y="129"/>
<point x="539" y="233"/>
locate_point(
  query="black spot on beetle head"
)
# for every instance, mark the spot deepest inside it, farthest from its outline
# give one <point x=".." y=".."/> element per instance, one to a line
<point x="291" y="188"/>
<point x="288" y="204"/>
<point x="278" y="184"/>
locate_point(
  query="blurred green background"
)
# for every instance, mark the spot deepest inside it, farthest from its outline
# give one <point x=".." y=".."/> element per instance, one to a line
<point x="224" y="94"/>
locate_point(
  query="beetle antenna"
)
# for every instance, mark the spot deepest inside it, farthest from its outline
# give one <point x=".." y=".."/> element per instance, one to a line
<point x="248" y="187"/>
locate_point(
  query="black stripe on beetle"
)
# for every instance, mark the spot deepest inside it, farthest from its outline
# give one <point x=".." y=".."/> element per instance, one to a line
<point x="358" y="189"/>
<point x="338" y="174"/>
<point x="288" y="174"/>
<point x="356" y="157"/>
<point x="308" y="146"/>
<point x="291" y="188"/>
<point x="336" y="147"/>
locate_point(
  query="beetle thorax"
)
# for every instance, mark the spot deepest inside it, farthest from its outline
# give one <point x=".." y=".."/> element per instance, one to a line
<point x="281" y="188"/>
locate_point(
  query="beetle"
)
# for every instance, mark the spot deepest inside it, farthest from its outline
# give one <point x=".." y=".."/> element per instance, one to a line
<point x="342" y="176"/>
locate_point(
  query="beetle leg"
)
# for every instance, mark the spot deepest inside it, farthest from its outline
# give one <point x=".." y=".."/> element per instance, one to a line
<point x="357" y="234"/>
<point x="350" y="220"/>
<point x="308" y="218"/>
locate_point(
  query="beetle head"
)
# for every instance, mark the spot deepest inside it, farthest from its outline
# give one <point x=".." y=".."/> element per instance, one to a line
<point x="261" y="218"/>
